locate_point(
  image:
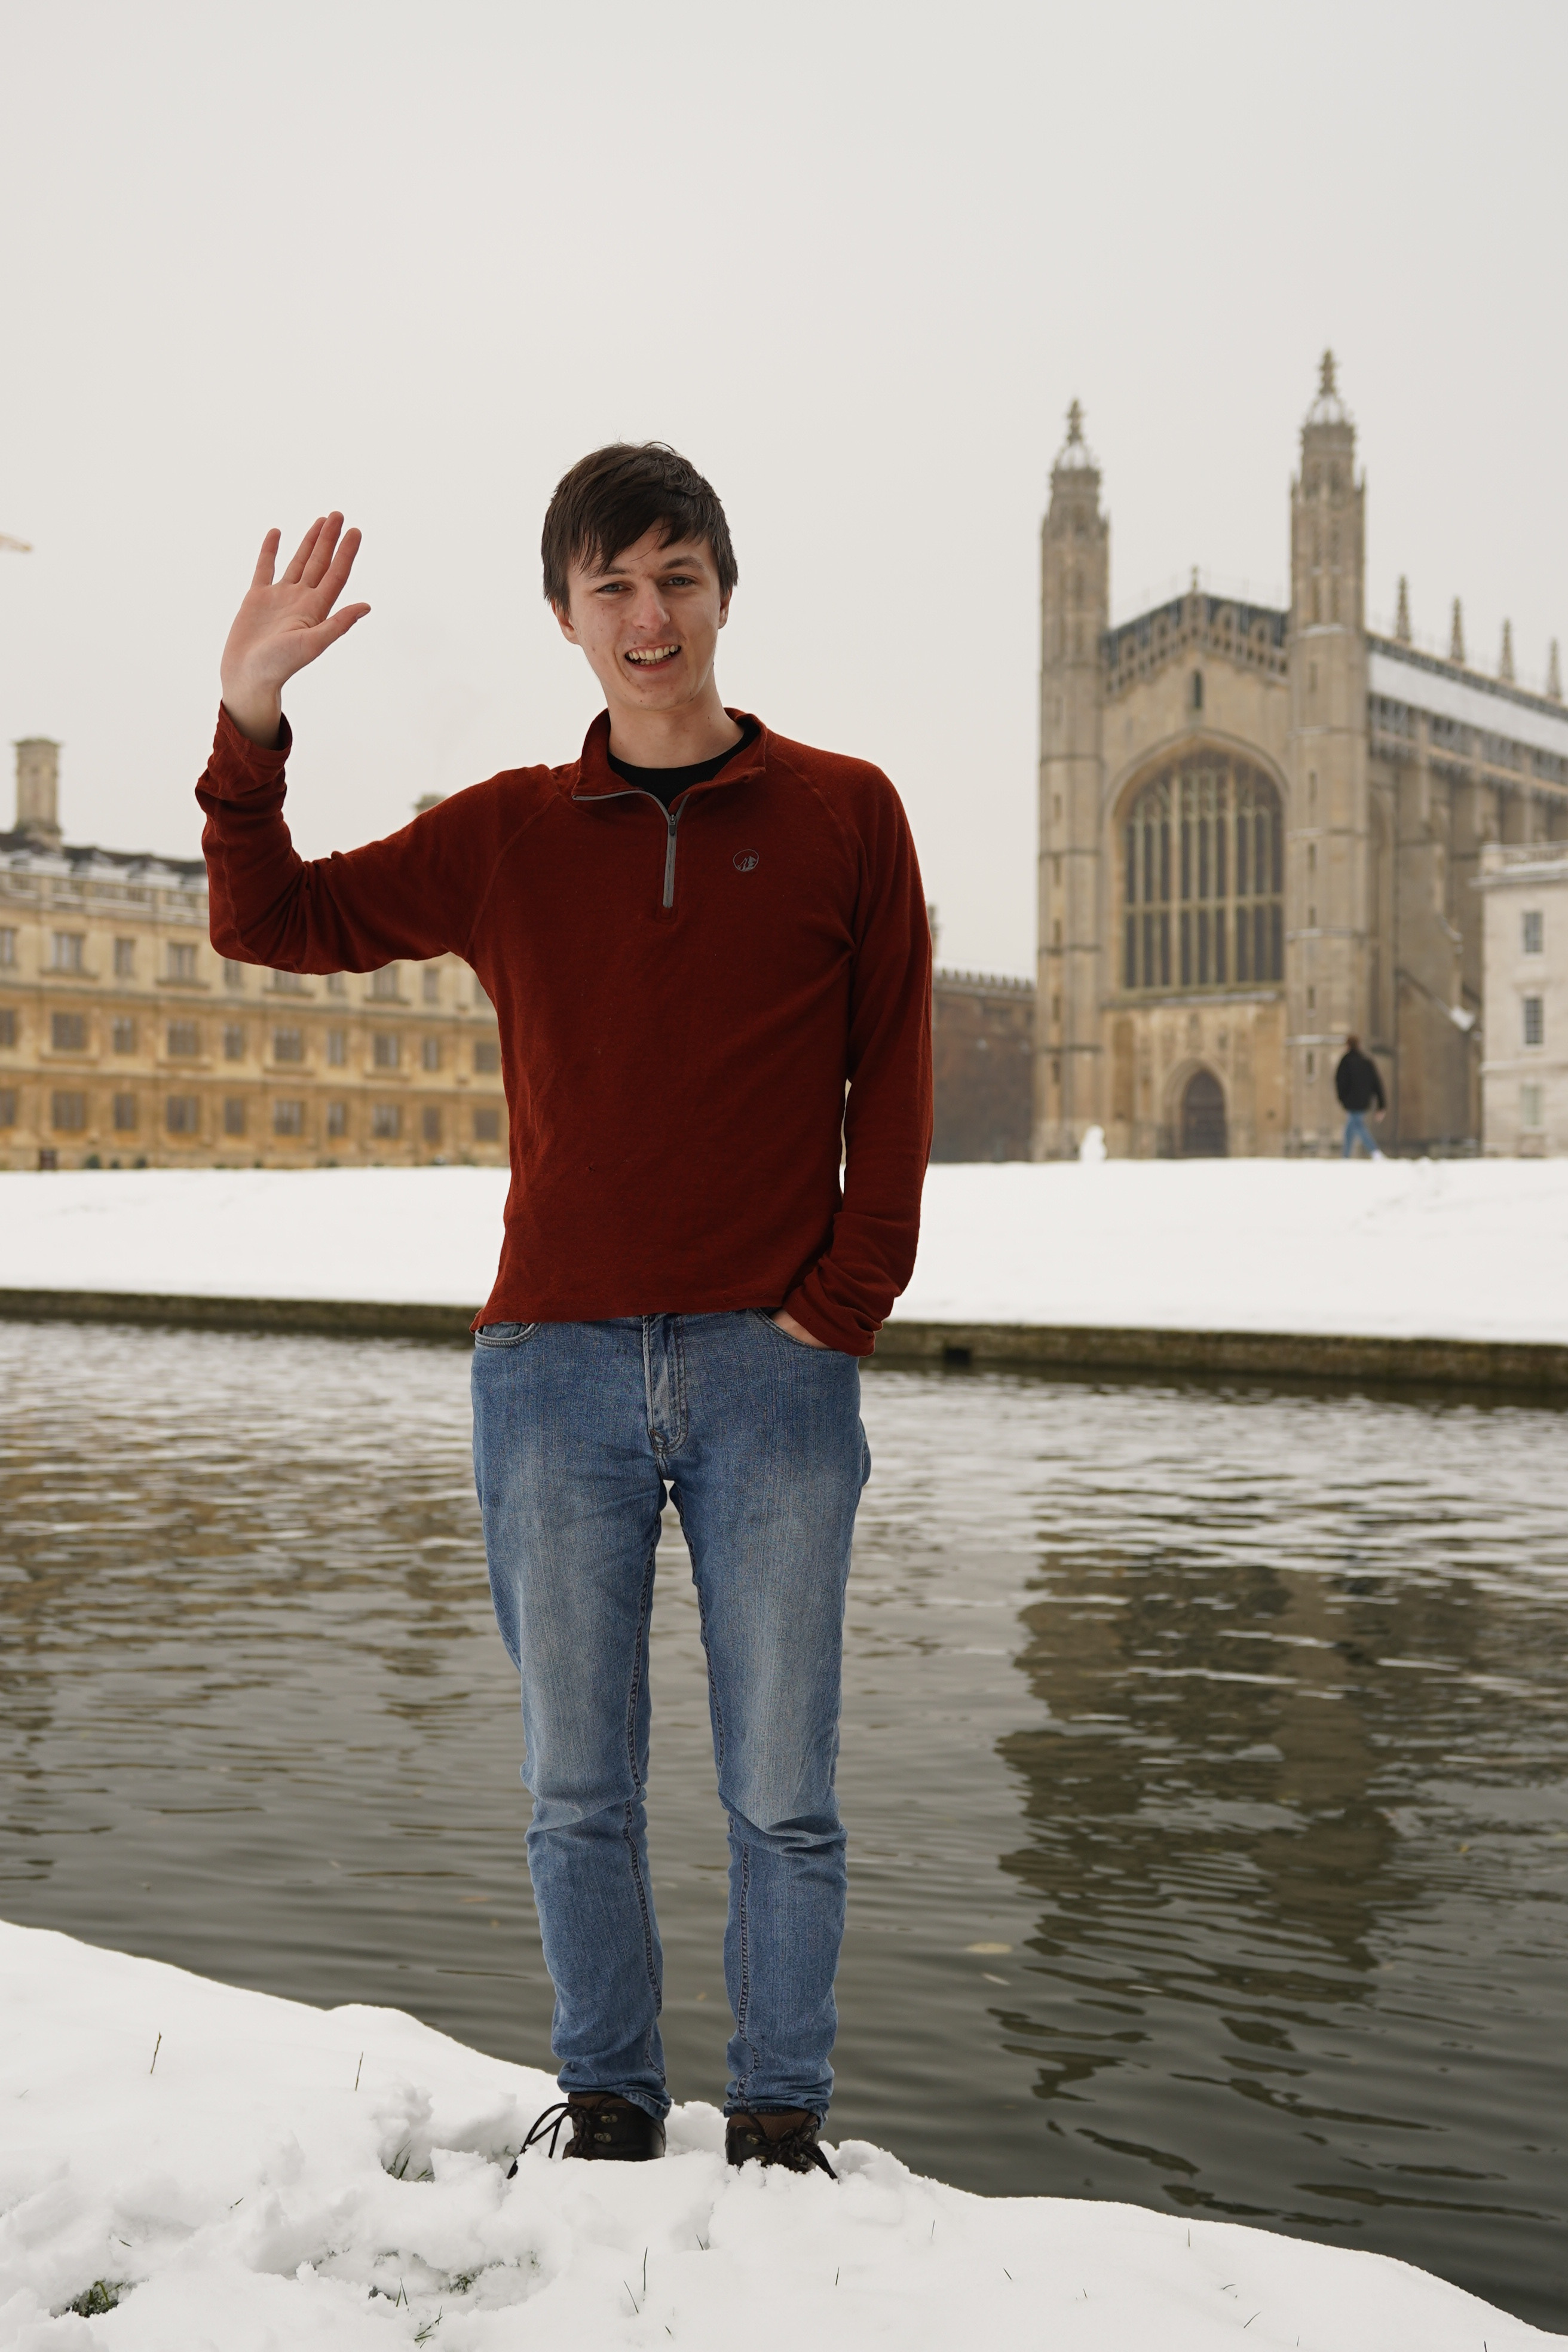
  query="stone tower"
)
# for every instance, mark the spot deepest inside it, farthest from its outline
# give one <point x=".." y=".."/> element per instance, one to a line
<point x="1075" y="610"/>
<point x="38" y="790"/>
<point x="1328" y="822"/>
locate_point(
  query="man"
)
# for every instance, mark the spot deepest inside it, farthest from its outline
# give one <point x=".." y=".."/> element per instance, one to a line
<point x="708" y="951"/>
<point x="1358" y="1087"/>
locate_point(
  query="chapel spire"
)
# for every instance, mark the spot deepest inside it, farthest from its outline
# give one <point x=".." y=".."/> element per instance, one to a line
<point x="1327" y="513"/>
<point x="1457" y="634"/>
<point x="1505" y="659"/>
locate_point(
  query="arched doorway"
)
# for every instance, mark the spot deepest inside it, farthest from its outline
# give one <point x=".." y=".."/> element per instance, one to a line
<point x="1202" y="1118"/>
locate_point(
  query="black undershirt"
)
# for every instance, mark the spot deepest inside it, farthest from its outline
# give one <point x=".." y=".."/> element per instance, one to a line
<point x="665" y="782"/>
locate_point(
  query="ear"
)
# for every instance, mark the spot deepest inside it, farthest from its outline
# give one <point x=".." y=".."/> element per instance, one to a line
<point x="724" y="607"/>
<point x="563" y="622"/>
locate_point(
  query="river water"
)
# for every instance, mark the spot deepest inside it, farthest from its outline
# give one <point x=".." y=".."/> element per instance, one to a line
<point x="1204" y="1759"/>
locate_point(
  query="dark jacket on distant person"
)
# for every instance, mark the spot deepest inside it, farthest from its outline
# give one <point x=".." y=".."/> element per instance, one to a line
<point x="1357" y="1084"/>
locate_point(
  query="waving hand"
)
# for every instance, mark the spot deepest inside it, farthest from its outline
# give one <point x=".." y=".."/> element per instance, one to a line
<point x="285" y="624"/>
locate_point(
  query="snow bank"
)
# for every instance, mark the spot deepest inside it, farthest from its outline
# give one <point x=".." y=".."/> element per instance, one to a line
<point x="1439" y="1249"/>
<point x="1431" y="1249"/>
<point x="242" y="2195"/>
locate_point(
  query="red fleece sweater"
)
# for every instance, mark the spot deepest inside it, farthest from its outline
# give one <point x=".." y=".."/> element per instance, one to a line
<point x="682" y="1003"/>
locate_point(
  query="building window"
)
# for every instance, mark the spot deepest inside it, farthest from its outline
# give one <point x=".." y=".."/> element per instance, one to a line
<point x="67" y="1113"/>
<point x="487" y="1056"/>
<point x="7" y="1027"/>
<point x="1535" y="1021"/>
<point x="487" y="1127"/>
<point x="7" y="1106"/>
<point x="384" y="1050"/>
<point x="233" y="973"/>
<point x="288" y="1118"/>
<point x="234" y="1115"/>
<point x="288" y="984"/>
<point x="233" y="1042"/>
<point x="430" y="1052"/>
<point x="384" y="984"/>
<point x="7" y="949"/>
<point x="430" y="984"/>
<point x="124" y="959"/>
<point x="288" y="1045"/>
<point x="1533" y="928"/>
<point x="1530" y="1098"/>
<point x="181" y="962"/>
<point x="185" y="1041"/>
<point x="430" y="1123"/>
<point x="337" y="1047"/>
<point x="123" y="1036"/>
<point x="386" y="1120"/>
<point x="337" y="984"/>
<point x="182" y="1114"/>
<point x="1312" y="1065"/>
<point x="1203" y="879"/>
<point x="68" y="948"/>
<point x="68" y="1033"/>
<point x="125" y="1113"/>
<point x="337" y="1118"/>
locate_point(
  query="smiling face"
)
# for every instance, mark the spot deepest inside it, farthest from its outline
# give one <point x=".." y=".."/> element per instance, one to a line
<point x="648" y="620"/>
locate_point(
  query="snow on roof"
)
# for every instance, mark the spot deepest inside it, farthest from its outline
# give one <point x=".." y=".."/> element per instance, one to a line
<point x="23" y="853"/>
<point x="1490" y="704"/>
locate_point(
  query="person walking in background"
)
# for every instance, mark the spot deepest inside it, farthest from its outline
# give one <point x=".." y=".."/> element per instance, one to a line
<point x="1358" y="1087"/>
<point x="708" y="951"/>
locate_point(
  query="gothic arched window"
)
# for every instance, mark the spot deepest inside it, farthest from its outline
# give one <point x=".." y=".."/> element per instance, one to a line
<point x="1203" y="878"/>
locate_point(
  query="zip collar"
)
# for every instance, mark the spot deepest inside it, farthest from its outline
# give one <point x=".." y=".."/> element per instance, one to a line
<point x="597" y="780"/>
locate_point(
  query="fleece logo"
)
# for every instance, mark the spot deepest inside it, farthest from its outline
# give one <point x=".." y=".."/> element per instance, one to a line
<point x="743" y="860"/>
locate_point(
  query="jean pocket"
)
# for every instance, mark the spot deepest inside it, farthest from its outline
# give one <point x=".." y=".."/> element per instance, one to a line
<point x="788" y="1339"/>
<point x="503" y="1335"/>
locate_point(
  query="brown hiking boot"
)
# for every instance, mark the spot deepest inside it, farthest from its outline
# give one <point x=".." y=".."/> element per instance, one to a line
<point x="604" y="2127"/>
<point x="787" y="2137"/>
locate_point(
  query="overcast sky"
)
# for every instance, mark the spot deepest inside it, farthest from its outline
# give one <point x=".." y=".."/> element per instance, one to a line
<point x="855" y="261"/>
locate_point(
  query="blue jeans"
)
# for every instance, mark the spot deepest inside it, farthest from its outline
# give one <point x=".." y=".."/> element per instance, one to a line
<point x="1357" y="1131"/>
<point x="579" y="1430"/>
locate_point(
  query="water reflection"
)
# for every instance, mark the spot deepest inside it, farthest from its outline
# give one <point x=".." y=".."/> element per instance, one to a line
<point x="1291" y="1819"/>
<point x="1203" y="1755"/>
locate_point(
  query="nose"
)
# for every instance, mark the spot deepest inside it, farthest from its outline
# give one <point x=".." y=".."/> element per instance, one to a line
<point x="649" y="612"/>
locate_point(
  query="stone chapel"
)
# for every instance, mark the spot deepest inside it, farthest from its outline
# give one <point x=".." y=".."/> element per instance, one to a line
<point x="1259" y="832"/>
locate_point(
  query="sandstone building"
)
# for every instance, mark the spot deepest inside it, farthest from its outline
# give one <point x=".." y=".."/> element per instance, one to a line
<point x="1524" y="1071"/>
<point x="1258" y="829"/>
<point x="126" y="1041"/>
<point x="982" y="1059"/>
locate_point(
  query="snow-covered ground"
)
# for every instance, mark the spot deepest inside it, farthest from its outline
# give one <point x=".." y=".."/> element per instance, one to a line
<point x="1439" y="1249"/>
<point x="251" y="2175"/>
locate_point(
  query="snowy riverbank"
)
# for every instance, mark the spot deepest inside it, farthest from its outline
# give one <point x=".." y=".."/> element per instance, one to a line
<point x="1442" y="1249"/>
<point x="241" y="2194"/>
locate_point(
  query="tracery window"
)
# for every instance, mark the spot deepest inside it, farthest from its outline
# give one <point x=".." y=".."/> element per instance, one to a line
<point x="1203" y="878"/>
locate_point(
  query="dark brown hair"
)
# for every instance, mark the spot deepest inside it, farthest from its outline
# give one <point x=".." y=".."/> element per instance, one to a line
<point x="610" y="498"/>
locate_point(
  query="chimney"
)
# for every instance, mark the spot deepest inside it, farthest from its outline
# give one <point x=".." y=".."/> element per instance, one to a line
<point x="38" y="790"/>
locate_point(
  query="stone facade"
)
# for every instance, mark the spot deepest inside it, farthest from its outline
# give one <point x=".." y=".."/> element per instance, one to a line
<point x="1257" y="827"/>
<point x="982" y="1055"/>
<point x="1524" y="964"/>
<point x="125" y="1041"/>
